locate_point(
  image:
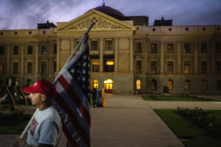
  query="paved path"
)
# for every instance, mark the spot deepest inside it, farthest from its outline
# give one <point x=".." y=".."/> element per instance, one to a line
<point x="127" y="121"/>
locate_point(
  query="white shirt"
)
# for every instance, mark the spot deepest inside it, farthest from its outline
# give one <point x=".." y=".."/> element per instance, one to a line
<point x="45" y="128"/>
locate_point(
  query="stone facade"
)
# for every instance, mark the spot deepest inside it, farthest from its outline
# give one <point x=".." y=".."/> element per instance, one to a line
<point x="125" y="38"/>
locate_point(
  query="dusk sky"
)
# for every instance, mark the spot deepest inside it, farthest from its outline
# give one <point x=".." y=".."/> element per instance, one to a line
<point x="25" y="14"/>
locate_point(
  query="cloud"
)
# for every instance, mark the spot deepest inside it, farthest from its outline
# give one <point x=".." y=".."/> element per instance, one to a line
<point x="25" y="14"/>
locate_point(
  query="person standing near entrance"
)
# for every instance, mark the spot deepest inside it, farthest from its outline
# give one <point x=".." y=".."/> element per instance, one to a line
<point x="94" y="96"/>
<point x="46" y="127"/>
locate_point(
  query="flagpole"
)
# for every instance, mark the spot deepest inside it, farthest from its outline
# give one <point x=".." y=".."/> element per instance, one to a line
<point x="26" y="129"/>
<point x="76" y="48"/>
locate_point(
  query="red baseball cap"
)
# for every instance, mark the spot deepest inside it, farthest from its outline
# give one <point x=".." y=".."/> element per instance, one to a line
<point x="41" y="86"/>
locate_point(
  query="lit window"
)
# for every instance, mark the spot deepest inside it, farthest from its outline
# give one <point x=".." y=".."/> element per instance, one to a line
<point x="170" y="84"/>
<point x="110" y="66"/>
<point x="95" y="84"/>
<point x="138" y="85"/>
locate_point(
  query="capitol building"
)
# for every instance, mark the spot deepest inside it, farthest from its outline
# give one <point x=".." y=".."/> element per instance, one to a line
<point x="127" y="55"/>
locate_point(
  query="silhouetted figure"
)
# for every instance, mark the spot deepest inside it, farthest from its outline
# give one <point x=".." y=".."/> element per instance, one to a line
<point x="94" y="94"/>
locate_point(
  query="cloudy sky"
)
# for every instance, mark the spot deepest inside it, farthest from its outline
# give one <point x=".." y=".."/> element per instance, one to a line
<point x="25" y="14"/>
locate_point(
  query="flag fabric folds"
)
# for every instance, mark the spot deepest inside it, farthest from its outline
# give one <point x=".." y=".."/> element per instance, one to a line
<point x="73" y="97"/>
<point x="101" y="98"/>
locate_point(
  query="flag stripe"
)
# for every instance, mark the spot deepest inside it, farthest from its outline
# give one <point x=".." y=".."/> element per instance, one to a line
<point x="75" y="98"/>
<point x="73" y="107"/>
<point x="69" y="124"/>
<point x="73" y="119"/>
<point x="68" y="135"/>
<point x="84" y="100"/>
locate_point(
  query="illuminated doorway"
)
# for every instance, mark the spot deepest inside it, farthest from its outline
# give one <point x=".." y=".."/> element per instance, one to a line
<point x="108" y="86"/>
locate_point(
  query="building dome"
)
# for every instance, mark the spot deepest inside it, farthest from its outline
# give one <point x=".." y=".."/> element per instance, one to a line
<point x="111" y="12"/>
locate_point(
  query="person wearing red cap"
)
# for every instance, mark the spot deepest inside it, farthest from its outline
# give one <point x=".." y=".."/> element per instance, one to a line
<point x="46" y="128"/>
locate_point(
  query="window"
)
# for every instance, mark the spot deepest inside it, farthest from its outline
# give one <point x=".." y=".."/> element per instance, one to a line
<point x="138" y="47"/>
<point x="44" y="49"/>
<point x="15" y="50"/>
<point x="44" y="67"/>
<point x="153" y="48"/>
<point x="95" y="84"/>
<point x="2" y="50"/>
<point x="30" y="50"/>
<point x="153" y="85"/>
<point x="218" y="48"/>
<point x="2" y="67"/>
<point x="55" y="66"/>
<point x="153" y="67"/>
<point x="217" y="67"/>
<point x="203" y="48"/>
<point x="186" y="48"/>
<point x="29" y="67"/>
<point x="204" y="67"/>
<point x="55" y="48"/>
<point x="138" y="84"/>
<point x="94" y="45"/>
<point x="108" y="45"/>
<point x="187" y="67"/>
<point x="15" y="68"/>
<point x="170" y="84"/>
<point x="187" y="85"/>
<point x="110" y="66"/>
<point x="218" y="85"/>
<point x="169" y="48"/>
<point x="170" y="67"/>
<point x="204" y="85"/>
<point x="138" y="67"/>
<point x="95" y="66"/>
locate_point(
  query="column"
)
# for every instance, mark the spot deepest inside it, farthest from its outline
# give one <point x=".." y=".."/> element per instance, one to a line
<point x="72" y="45"/>
<point x="36" y="59"/>
<point x="131" y="55"/>
<point x="22" y="60"/>
<point x="101" y="54"/>
<point x="8" y="59"/>
<point x="162" y="58"/>
<point x="213" y="70"/>
<point x="196" y="58"/>
<point x="58" y="55"/>
<point x="178" y="59"/>
<point x="116" y="55"/>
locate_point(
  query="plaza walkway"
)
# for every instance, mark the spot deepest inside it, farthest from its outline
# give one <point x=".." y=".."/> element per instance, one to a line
<point x="127" y="121"/>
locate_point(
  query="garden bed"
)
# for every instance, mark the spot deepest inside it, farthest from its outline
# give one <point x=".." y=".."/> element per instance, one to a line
<point x="190" y="134"/>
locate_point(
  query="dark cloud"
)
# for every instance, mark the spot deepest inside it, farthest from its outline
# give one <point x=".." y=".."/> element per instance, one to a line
<point x="25" y="14"/>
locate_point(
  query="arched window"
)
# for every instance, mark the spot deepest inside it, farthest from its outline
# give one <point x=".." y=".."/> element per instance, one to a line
<point x="187" y="85"/>
<point x="153" y="85"/>
<point x="218" y="85"/>
<point x="95" y="84"/>
<point x="170" y="84"/>
<point x="138" y="85"/>
<point x="204" y="85"/>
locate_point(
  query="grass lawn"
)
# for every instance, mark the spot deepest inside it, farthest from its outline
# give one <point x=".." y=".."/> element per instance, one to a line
<point x="185" y="129"/>
<point x="173" y="98"/>
<point x="12" y="129"/>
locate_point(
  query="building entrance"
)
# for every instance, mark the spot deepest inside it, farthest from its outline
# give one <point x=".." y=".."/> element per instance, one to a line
<point x="108" y="86"/>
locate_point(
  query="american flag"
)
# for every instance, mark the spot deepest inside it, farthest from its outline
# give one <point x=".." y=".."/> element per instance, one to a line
<point x="73" y="97"/>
